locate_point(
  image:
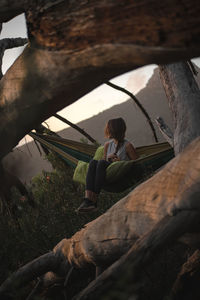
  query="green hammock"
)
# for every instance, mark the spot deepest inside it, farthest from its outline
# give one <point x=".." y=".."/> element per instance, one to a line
<point x="119" y="175"/>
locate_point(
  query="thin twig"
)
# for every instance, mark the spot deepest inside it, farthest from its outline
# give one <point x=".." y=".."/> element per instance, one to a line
<point x="66" y="281"/>
<point x="38" y="147"/>
<point x="27" y="146"/>
<point x="192" y="67"/>
<point x="68" y="276"/>
<point x="76" y="128"/>
<point x="138" y="104"/>
<point x="34" y="290"/>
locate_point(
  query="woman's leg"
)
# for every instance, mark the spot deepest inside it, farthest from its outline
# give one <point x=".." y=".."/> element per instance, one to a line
<point x="100" y="175"/>
<point x="94" y="181"/>
<point x="90" y="180"/>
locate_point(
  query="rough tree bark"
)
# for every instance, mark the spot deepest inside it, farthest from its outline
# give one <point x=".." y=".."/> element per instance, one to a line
<point x="9" y="44"/>
<point x="134" y="34"/>
<point x="167" y="194"/>
<point x="8" y="180"/>
<point x="184" y="97"/>
<point x="11" y="9"/>
<point x="143" y="110"/>
<point x="80" y="130"/>
<point x="72" y="54"/>
<point x="170" y="197"/>
<point x="188" y="279"/>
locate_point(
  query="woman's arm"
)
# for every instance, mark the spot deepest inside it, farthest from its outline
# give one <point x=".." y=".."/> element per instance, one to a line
<point x="111" y="157"/>
<point x="105" y="150"/>
<point x="130" y="150"/>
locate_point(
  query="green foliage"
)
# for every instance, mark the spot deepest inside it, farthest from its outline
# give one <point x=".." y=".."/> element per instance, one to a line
<point x="33" y="231"/>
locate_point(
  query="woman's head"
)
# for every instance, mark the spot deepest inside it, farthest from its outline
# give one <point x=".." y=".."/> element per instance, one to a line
<point x="115" y="128"/>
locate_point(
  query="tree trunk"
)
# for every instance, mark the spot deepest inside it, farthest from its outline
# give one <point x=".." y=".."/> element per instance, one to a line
<point x="70" y="54"/>
<point x="183" y="95"/>
<point x="9" y="44"/>
<point x="173" y="190"/>
<point x="128" y="269"/>
<point x="165" y="130"/>
<point x="82" y="56"/>
<point x="9" y="10"/>
<point x="188" y="279"/>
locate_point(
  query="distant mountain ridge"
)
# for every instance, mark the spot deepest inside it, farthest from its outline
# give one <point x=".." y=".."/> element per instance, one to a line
<point x="152" y="97"/>
<point x="26" y="161"/>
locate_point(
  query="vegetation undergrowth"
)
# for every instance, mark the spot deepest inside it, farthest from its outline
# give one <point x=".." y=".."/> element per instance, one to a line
<point x="33" y="231"/>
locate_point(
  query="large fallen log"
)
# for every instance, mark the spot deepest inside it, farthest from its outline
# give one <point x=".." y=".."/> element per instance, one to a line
<point x="188" y="279"/>
<point x="163" y="196"/>
<point x="183" y="95"/>
<point x="77" y="45"/>
<point x="130" y="265"/>
<point x="71" y="54"/>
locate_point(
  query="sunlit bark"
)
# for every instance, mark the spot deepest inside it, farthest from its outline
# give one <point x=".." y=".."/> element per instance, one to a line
<point x="75" y="46"/>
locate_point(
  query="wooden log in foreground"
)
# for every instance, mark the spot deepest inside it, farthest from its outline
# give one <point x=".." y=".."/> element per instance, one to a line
<point x="167" y="194"/>
<point x="138" y="212"/>
<point x="77" y="45"/>
<point x="188" y="279"/>
<point x="129" y="267"/>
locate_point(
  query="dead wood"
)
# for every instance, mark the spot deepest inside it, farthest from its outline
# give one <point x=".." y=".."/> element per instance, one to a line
<point x="76" y="128"/>
<point x="69" y="55"/>
<point x="143" y="110"/>
<point x="165" y="130"/>
<point x="167" y="194"/>
<point x="8" y="181"/>
<point x="141" y="253"/>
<point x="183" y="95"/>
<point x="49" y="261"/>
<point x="11" y="9"/>
<point x="192" y="67"/>
<point x="9" y="44"/>
<point x="186" y="285"/>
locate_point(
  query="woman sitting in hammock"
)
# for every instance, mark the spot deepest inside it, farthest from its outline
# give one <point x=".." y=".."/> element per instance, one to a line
<point x="116" y="149"/>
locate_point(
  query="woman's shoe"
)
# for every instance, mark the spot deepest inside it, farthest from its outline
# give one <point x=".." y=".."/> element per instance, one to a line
<point x="87" y="205"/>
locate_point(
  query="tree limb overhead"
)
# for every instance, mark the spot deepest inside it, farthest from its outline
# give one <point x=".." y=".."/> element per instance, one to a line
<point x="76" y="46"/>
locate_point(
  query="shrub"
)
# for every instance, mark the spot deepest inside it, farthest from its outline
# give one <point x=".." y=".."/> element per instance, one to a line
<point x="32" y="232"/>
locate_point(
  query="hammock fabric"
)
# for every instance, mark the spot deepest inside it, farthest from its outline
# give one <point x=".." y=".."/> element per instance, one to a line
<point x="119" y="175"/>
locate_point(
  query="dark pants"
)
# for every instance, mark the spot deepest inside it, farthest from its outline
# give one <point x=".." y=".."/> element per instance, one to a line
<point x="96" y="175"/>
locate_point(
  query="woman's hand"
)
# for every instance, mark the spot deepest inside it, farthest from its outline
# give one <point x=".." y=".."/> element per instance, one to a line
<point x="113" y="157"/>
<point x="116" y="159"/>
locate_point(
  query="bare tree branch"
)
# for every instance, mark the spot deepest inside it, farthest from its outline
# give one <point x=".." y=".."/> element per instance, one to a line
<point x="9" y="44"/>
<point x="134" y="217"/>
<point x="138" y="104"/>
<point x="183" y="96"/>
<point x="188" y="279"/>
<point x="141" y="253"/>
<point x="194" y="71"/>
<point x="76" y="128"/>
<point x="48" y="262"/>
<point x="165" y="130"/>
<point x="52" y="69"/>
<point x="11" y="9"/>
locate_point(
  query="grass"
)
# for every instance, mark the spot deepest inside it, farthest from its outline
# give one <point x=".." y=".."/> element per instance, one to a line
<point x="32" y="232"/>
